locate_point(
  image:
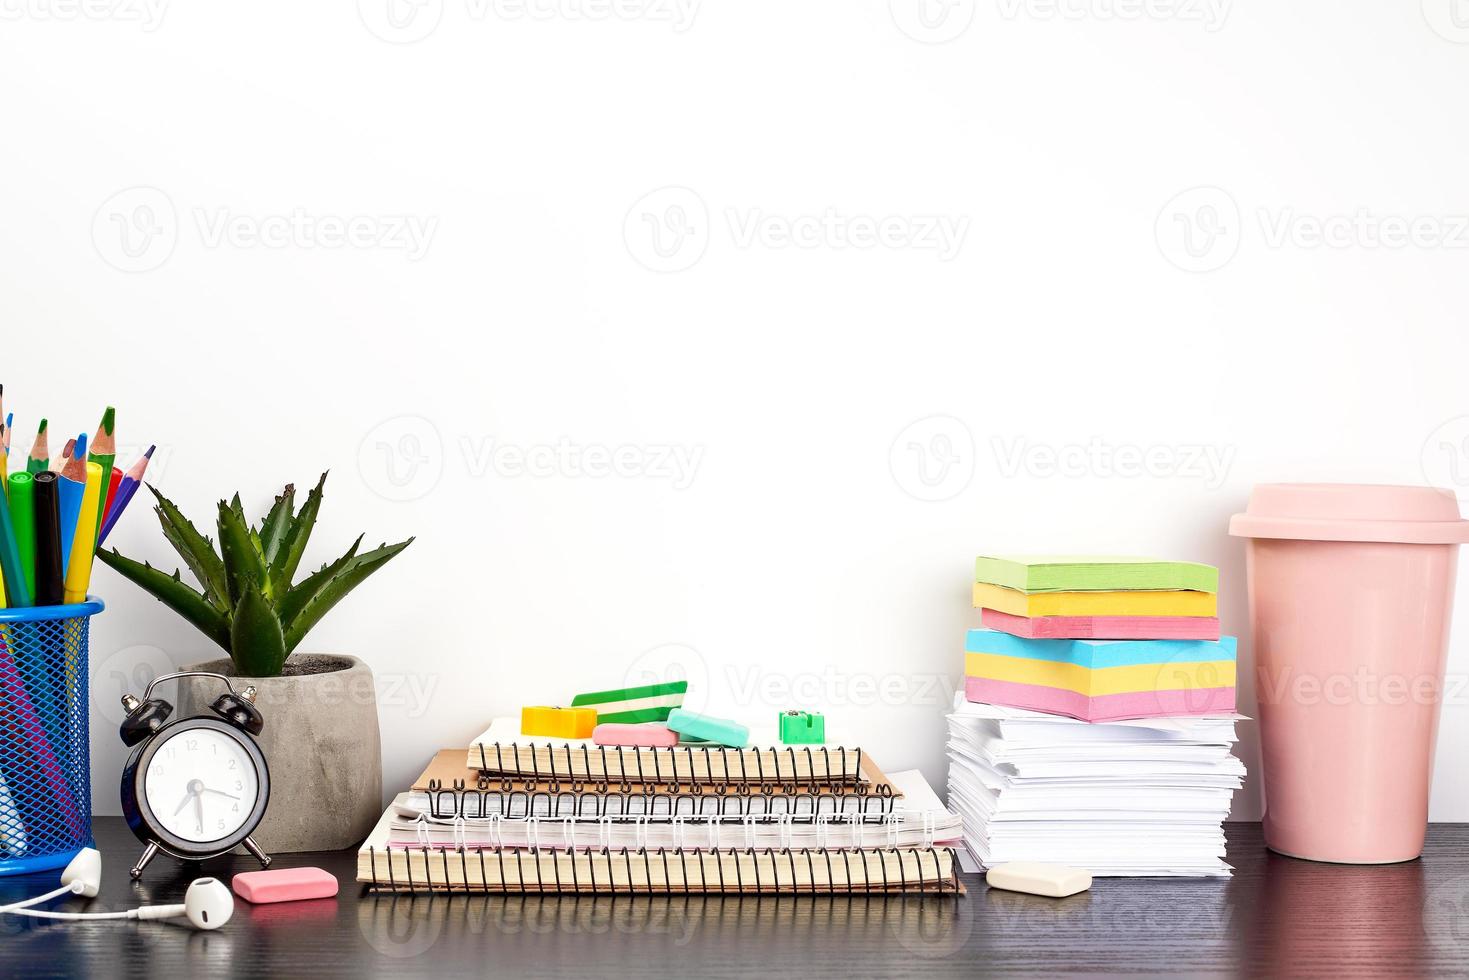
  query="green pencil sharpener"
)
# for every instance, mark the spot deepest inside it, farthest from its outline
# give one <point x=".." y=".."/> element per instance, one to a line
<point x="802" y="728"/>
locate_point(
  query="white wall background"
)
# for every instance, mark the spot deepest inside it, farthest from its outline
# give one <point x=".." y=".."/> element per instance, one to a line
<point x="147" y="150"/>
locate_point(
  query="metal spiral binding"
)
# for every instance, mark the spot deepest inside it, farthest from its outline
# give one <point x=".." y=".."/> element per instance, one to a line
<point x="857" y="831"/>
<point x="837" y="765"/>
<point x="778" y="873"/>
<point x="579" y="801"/>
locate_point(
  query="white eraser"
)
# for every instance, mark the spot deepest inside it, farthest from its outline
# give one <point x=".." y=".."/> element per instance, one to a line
<point x="1035" y="878"/>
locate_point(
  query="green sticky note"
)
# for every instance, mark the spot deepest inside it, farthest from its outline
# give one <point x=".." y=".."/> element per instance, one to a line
<point x="1088" y="573"/>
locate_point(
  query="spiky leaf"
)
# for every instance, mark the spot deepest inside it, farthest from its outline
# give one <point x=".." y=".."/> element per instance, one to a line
<point x="243" y="565"/>
<point x="277" y="522"/>
<point x="219" y="601"/>
<point x="290" y="605"/>
<point x="288" y="557"/>
<point x="173" y="593"/>
<point x="196" y="550"/>
<point x="350" y="576"/>
<point x="257" y="645"/>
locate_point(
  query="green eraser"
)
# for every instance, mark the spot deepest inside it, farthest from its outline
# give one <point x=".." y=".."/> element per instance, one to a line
<point x="720" y="731"/>
<point x="802" y="728"/>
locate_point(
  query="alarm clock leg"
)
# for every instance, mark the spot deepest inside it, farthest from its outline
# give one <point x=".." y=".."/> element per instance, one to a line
<point x="254" y="849"/>
<point x="149" y="853"/>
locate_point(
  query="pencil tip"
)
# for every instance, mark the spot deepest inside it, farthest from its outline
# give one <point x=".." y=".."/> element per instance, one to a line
<point x="149" y="453"/>
<point x="43" y="427"/>
<point x="109" y="419"/>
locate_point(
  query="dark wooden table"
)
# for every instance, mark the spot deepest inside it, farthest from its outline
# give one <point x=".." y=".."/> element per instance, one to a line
<point x="1277" y="916"/>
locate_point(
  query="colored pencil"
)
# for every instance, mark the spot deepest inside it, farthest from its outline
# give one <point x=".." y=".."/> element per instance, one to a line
<point x="65" y="456"/>
<point x="16" y="592"/>
<point x="104" y="454"/>
<point x="125" y="491"/>
<point x="72" y="487"/>
<point x="113" y="479"/>
<point x="5" y="432"/>
<point x="40" y="458"/>
<point x="49" y="569"/>
<point x="23" y="520"/>
<point x="79" y="567"/>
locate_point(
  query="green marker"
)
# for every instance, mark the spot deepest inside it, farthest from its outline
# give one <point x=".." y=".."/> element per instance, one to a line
<point x="23" y="521"/>
<point x="17" y="592"/>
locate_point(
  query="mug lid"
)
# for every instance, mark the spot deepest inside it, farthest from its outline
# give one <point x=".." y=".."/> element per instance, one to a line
<point x="1352" y="512"/>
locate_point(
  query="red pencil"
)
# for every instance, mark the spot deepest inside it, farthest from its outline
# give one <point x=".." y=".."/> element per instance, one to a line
<point x="112" y="482"/>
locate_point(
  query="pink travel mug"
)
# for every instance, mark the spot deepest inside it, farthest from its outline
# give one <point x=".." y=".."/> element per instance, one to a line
<point x="1350" y="597"/>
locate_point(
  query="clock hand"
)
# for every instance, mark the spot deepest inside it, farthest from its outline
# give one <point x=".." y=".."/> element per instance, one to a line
<point x="188" y="795"/>
<point x="199" y="808"/>
<point x="220" y="792"/>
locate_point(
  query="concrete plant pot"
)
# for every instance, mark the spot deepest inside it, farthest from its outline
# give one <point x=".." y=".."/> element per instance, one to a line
<point x="321" y="743"/>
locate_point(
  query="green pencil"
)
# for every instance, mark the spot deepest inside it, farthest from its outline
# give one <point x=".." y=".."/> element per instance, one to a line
<point x="40" y="459"/>
<point x="23" y="521"/>
<point x="103" y="452"/>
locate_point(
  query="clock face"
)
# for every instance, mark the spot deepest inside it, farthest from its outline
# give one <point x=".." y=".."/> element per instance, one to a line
<point x="201" y="784"/>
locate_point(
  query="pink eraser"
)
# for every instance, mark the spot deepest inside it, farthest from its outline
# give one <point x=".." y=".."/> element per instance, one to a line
<point x="284" y="885"/>
<point x="643" y="736"/>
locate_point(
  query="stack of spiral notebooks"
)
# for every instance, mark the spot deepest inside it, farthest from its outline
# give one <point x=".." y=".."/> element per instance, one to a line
<point x="565" y="816"/>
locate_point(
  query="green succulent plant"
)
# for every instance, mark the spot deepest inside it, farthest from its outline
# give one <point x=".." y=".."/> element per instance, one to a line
<point x="249" y="605"/>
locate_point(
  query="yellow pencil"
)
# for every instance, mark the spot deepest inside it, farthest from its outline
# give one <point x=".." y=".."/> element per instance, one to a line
<point x="79" y="568"/>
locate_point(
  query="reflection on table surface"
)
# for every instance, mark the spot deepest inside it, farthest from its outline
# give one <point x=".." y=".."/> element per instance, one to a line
<point x="1278" y="916"/>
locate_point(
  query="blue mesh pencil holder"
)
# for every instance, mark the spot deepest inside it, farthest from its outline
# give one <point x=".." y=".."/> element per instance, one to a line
<point x="45" y="752"/>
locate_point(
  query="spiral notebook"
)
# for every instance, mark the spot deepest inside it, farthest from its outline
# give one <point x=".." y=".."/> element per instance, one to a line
<point x="919" y="818"/>
<point x="501" y="749"/>
<point x="446" y="789"/>
<point x="651" y="870"/>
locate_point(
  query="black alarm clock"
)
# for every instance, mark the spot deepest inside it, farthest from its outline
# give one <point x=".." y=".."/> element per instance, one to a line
<point x="197" y="787"/>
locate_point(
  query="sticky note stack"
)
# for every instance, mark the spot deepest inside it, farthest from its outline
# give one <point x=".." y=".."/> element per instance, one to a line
<point x="1097" y="719"/>
<point x="1099" y="639"/>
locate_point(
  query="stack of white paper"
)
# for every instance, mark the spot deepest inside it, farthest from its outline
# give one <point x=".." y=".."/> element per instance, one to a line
<point x="1144" y="797"/>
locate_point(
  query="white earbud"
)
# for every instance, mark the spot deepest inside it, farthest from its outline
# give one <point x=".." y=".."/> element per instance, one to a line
<point x="208" y="904"/>
<point x="84" y="874"/>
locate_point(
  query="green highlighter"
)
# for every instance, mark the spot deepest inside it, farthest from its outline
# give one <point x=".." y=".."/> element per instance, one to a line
<point x="23" y="521"/>
<point x="17" y="591"/>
